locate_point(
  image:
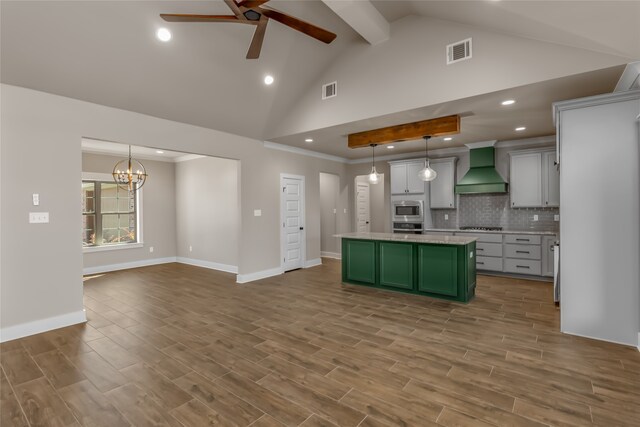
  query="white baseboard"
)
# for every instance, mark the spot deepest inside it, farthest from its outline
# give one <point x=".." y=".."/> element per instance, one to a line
<point x="313" y="262"/>
<point x="331" y="255"/>
<point x="208" y="264"/>
<point x="250" y="277"/>
<point x="43" y="325"/>
<point x="126" y="265"/>
<point x="637" y="345"/>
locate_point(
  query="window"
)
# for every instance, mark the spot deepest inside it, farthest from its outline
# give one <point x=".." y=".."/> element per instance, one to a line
<point x="109" y="214"/>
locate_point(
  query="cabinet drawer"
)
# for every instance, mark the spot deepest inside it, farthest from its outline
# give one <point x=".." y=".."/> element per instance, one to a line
<point x="489" y="249"/>
<point x="522" y="266"/>
<point x="488" y="263"/>
<point x="522" y="251"/>
<point x="483" y="237"/>
<point x="522" y="239"/>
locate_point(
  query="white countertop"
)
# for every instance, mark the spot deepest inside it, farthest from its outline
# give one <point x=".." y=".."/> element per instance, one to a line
<point x="457" y="230"/>
<point x="414" y="238"/>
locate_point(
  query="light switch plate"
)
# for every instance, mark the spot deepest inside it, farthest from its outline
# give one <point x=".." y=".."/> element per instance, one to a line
<point x="446" y="217"/>
<point x="151" y="249"/>
<point x="556" y="217"/>
<point x="535" y="217"/>
<point x="38" y="217"/>
<point x="335" y="210"/>
<point x="257" y="212"/>
<point x="36" y="199"/>
<point x="345" y="210"/>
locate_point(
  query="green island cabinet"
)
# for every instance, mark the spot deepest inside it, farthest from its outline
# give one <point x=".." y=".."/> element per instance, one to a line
<point x="436" y="266"/>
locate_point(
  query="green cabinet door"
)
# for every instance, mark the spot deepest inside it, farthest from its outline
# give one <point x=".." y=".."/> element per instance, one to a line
<point x="438" y="269"/>
<point x="360" y="260"/>
<point x="396" y="264"/>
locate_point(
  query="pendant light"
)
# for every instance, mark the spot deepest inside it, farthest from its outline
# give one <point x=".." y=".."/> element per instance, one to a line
<point x="427" y="174"/>
<point x="374" y="176"/>
<point x="129" y="174"/>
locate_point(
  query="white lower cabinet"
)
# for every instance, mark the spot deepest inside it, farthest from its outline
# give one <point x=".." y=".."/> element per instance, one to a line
<point x="528" y="254"/>
<point x="522" y="266"/>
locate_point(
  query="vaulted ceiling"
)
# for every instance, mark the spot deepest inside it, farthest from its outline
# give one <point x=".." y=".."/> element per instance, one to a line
<point x="106" y="52"/>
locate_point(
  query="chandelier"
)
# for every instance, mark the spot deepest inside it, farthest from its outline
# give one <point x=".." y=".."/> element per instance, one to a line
<point x="129" y="174"/>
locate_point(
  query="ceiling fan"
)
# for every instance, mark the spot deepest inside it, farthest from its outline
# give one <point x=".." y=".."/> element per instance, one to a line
<point x="251" y="12"/>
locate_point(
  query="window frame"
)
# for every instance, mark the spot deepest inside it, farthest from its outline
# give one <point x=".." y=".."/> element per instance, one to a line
<point x="103" y="177"/>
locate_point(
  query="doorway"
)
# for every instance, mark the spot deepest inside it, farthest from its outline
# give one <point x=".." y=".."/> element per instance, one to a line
<point x="292" y="236"/>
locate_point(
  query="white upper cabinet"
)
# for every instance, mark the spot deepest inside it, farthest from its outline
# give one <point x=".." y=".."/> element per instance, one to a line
<point x="442" y="188"/>
<point x="550" y="180"/>
<point x="404" y="178"/>
<point x="535" y="180"/>
<point x="526" y="180"/>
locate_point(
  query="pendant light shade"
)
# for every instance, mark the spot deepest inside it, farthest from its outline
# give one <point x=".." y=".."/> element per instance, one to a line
<point x="374" y="176"/>
<point x="426" y="173"/>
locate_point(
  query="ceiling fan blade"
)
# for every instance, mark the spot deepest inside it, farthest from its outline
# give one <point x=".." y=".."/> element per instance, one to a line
<point x="174" y="17"/>
<point x="300" y="25"/>
<point x="234" y="8"/>
<point x="258" y="38"/>
<point x="251" y="3"/>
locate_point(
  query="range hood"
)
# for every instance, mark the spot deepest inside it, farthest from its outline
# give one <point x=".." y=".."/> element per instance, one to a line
<point x="482" y="176"/>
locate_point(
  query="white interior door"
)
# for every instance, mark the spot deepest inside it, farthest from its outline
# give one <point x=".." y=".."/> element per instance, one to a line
<point x="363" y="216"/>
<point x="292" y="236"/>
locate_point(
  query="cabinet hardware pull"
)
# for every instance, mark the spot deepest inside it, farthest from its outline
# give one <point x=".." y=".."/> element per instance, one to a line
<point x="479" y="249"/>
<point x="479" y="262"/>
<point x="523" y="266"/>
<point x="523" y="252"/>
<point x="522" y="240"/>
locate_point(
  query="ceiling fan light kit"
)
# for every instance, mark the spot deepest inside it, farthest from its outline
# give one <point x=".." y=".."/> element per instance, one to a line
<point x="251" y="12"/>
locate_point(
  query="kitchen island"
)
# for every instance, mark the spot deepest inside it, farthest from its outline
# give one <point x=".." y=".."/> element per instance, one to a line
<point x="436" y="266"/>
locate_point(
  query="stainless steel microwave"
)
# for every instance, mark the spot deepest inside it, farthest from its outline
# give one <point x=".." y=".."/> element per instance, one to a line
<point x="407" y="211"/>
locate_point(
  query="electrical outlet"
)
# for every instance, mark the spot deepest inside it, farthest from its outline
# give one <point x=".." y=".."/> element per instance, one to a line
<point x="36" y="199"/>
<point x="535" y="217"/>
<point x="556" y="217"/>
<point x="38" y="217"/>
<point x="446" y="217"/>
<point x="257" y="212"/>
<point x="151" y="249"/>
<point x="190" y="248"/>
<point x="345" y="210"/>
<point x="335" y="210"/>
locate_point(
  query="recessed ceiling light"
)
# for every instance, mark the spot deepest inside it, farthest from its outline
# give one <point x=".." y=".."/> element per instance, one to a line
<point x="308" y="140"/>
<point x="163" y="35"/>
<point x="268" y="80"/>
<point x="508" y="102"/>
<point x="159" y="151"/>
<point x="448" y="139"/>
<point x="520" y="129"/>
<point x="389" y="147"/>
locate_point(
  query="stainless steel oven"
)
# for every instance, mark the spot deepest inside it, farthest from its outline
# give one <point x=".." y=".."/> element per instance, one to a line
<point x="407" y="227"/>
<point x="407" y="211"/>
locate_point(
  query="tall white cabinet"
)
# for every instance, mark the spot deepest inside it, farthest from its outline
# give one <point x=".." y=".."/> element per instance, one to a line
<point x="599" y="159"/>
<point x="443" y="187"/>
<point x="535" y="179"/>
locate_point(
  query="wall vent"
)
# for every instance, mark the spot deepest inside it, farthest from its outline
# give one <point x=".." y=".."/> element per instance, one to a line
<point x="329" y="90"/>
<point x="459" y="51"/>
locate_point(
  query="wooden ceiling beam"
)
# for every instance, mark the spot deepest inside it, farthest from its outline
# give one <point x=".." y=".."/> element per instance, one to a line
<point x="449" y="125"/>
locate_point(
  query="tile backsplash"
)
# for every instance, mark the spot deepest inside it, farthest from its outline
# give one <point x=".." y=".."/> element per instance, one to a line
<point x="492" y="210"/>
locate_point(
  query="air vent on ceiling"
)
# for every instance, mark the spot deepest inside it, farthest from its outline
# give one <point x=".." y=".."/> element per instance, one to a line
<point x="329" y="90"/>
<point x="458" y="51"/>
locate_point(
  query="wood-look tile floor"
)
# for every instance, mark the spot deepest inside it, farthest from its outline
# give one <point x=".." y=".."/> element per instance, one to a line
<point x="180" y="345"/>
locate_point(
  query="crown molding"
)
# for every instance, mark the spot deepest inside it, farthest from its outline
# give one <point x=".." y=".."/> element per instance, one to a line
<point x="591" y="101"/>
<point x="630" y="78"/>
<point x="481" y="144"/>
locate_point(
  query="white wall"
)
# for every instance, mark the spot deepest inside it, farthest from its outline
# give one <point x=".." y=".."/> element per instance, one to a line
<point x="406" y="60"/>
<point x="208" y="211"/>
<point x="329" y="213"/>
<point x="41" y="133"/>
<point x="158" y="214"/>
<point x="599" y="217"/>
<point x="377" y="204"/>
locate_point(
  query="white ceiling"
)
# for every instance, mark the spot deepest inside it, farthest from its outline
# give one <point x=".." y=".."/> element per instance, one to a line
<point x="106" y="52"/>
